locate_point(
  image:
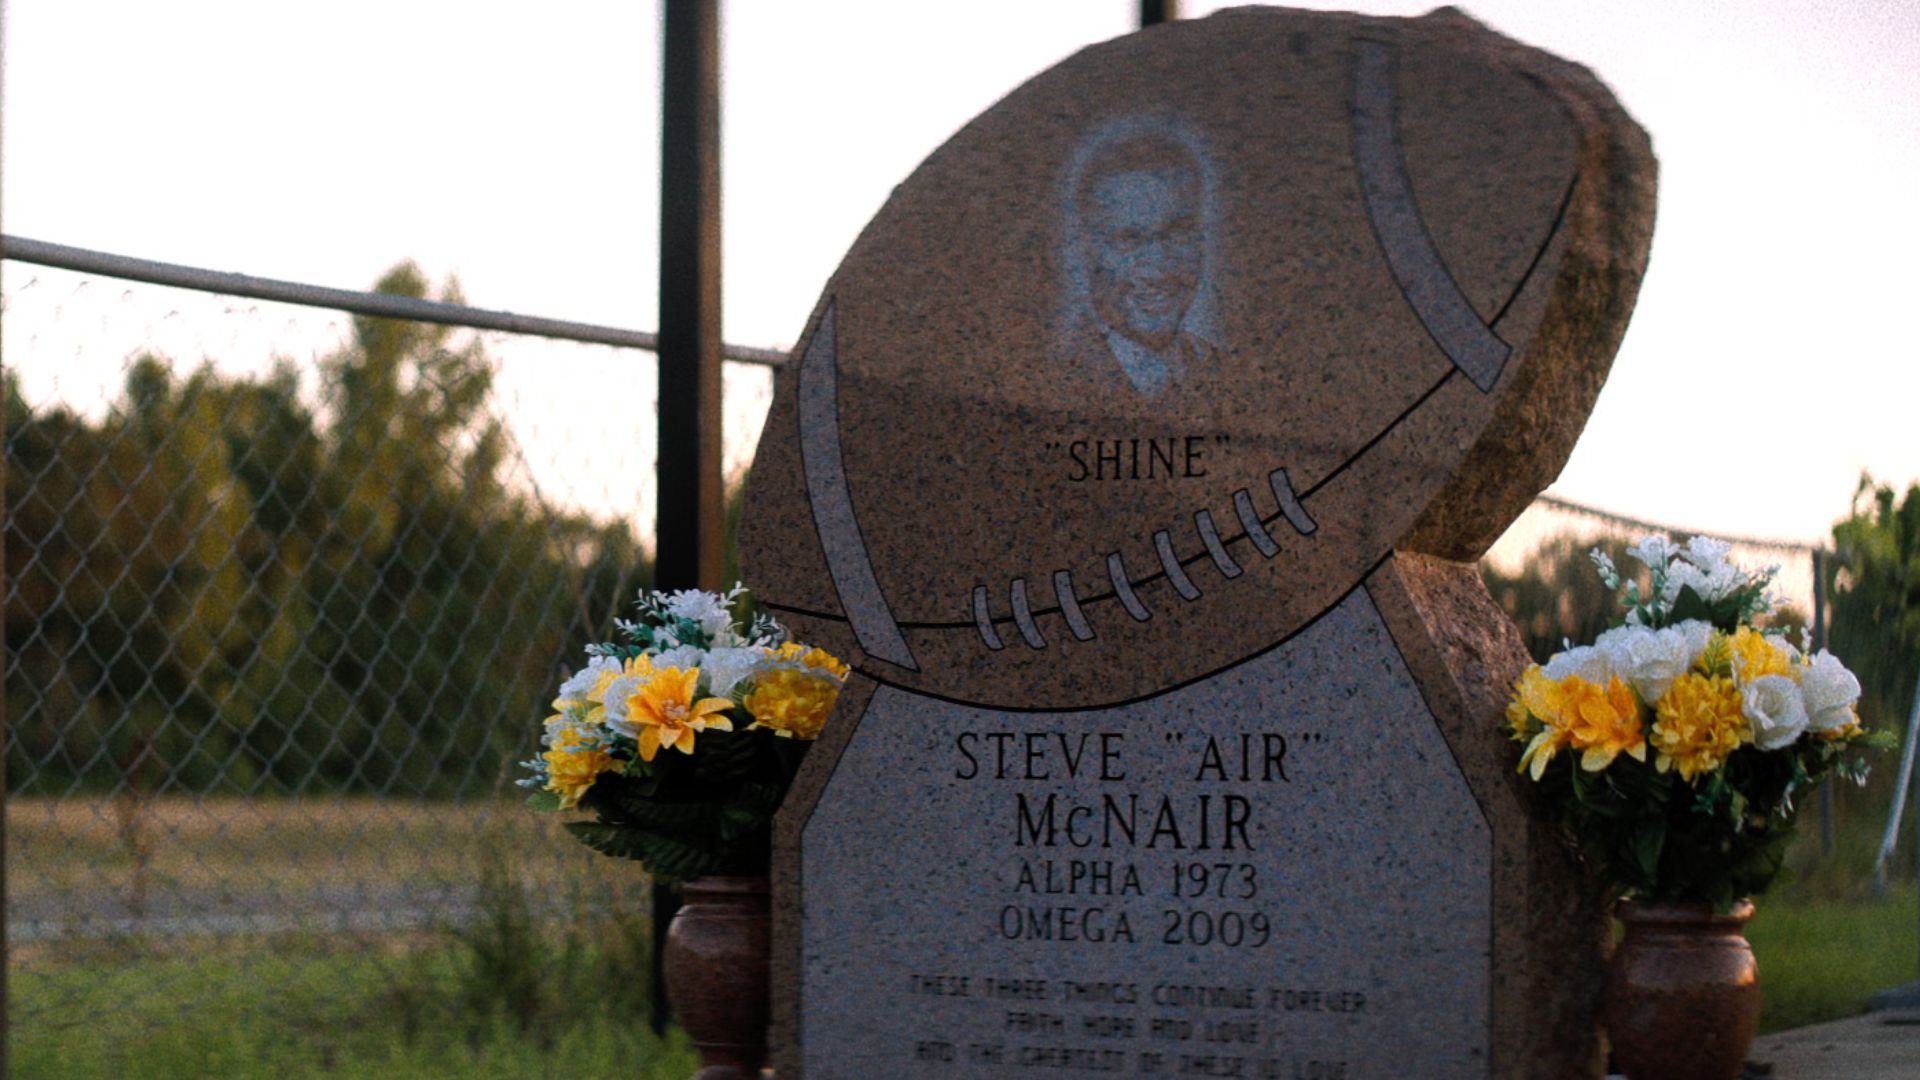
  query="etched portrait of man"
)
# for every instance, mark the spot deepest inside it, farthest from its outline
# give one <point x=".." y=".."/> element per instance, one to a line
<point x="1139" y="248"/>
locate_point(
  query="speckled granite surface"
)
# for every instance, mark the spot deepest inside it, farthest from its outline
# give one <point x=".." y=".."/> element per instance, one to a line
<point x="1164" y="407"/>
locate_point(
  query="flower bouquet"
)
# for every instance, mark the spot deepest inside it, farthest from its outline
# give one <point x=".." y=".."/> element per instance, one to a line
<point x="682" y="739"/>
<point x="1674" y="749"/>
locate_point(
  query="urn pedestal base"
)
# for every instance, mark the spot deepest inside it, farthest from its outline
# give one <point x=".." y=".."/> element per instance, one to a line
<point x="716" y="973"/>
<point x="1683" y="993"/>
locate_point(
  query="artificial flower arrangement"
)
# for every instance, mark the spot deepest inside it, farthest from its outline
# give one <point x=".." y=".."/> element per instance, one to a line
<point x="683" y="739"/>
<point x="1673" y="749"/>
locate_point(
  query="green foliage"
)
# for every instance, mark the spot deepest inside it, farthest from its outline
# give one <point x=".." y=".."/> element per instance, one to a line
<point x="1821" y="957"/>
<point x="682" y="815"/>
<point x="1717" y="839"/>
<point x="519" y="964"/>
<point x="1595" y="721"/>
<point x="671" y="856"/>
<point x="705" y="804"/>
<point x="297" y="1006"/>
<point x="231" y="583"/>
<point x="1873" y="578"/>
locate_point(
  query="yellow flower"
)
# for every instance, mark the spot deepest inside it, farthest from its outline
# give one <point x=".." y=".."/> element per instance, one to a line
<point x="793" y="704"/>
<point x="1538" y="697"/>
<point x="1756" y="655"/>
<point x="1534" y="695"/>
<point x="825" y="661"/>
<point x="572" y="767"/>
<point x="593" y="697"/>
<point x="1519" y="720"/>
<point x="1602" y="723"/>
<point x="813" y="658"/>
<point x="1698" y="724"/>
<point x="663" y="712"/>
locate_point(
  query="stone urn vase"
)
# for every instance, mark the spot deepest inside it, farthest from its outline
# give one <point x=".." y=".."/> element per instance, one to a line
<point x="716" y="973"/>
<point x="1683" y="992"/>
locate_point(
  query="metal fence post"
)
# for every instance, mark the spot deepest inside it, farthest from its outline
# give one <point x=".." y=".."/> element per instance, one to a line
<point x="1820" y="642"/>
<point x="690" y="549"/>
<point x="6" y="957"/>
<point x="1158" y="11"/>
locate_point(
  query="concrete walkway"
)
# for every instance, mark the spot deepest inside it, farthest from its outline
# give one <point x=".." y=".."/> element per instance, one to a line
<point x="1881" y="1045"/>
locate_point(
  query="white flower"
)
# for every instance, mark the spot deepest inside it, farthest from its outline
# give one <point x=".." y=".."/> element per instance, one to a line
<point x="725" y="667"/>
<point x="683" y="657"/>
<point x="1697" y="632"/>
<point x="711" y="612"/>
<point x="1679" y="576"/>
<point x="1655" y="551"/>
<point x="1828" y="691"/>
<point x="618" y="691"/>
<point x="1604" y="564"/>
<point x="588" y="677"/>
<point x="1772" y="704"/>
<point x="1583" y="660"/>
<point x="583" y="734"/>
<point x="1650" y="660"/>
<point x="1713" y="583"/>
<point x="1706" y="553"/>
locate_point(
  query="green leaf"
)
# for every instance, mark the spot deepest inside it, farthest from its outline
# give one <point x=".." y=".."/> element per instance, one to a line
<point x="665" y="817"/>
<point x="1647" y="846"/>
<point x="750" y="810"/>
<point x="666" y="858"/>
<point x="615" y="840"/>
<point x="1690" y="605"/>
<point x="721" y="756"/>
<point x="545" y="801"/>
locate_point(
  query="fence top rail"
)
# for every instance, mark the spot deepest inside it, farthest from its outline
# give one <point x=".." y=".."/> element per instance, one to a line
<point x="1643" y="526"/>
<point x="65" y="257"/>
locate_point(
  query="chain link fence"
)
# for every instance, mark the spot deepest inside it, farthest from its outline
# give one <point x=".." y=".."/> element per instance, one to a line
<point x="1551" y="520"/>
<point x="287" y="593"/>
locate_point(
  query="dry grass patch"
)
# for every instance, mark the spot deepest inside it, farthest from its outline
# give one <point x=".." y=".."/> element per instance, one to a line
<point x="68" y="857"/>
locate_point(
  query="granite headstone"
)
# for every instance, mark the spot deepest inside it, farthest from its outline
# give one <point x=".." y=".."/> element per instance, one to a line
<point x="1137" y="457"/>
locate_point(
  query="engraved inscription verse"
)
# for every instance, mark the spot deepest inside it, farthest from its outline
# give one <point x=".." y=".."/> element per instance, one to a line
<point x="1256" y="876"/>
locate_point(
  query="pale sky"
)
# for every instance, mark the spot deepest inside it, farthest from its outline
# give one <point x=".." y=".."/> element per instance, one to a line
<point x="1770" y="360"/>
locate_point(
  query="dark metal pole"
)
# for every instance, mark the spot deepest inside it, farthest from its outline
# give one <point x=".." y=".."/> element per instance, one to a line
<point x="6" y="959"/>
<point x="689" y="547"/>
<point x="1158" y="11"/>
<point x="1820" y="642"/>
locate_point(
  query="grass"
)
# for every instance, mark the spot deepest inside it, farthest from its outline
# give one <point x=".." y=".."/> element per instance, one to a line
<point x="316" y="1008"/>
<point x="58" y="849"/>
<point x="546" y="976"/>
<point x="540" y="969"/>
<point x="1826" y="942"/>
<point x="1822" y="957"/>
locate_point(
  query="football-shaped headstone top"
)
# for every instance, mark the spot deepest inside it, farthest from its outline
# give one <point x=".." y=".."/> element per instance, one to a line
<point x="1150" y="364"/>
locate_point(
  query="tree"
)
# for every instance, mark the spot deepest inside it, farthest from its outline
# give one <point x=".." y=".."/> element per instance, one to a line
<point x="1873" y="578"/>
<point x="1557" y="597"/>
<point x="230" y="582"/>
